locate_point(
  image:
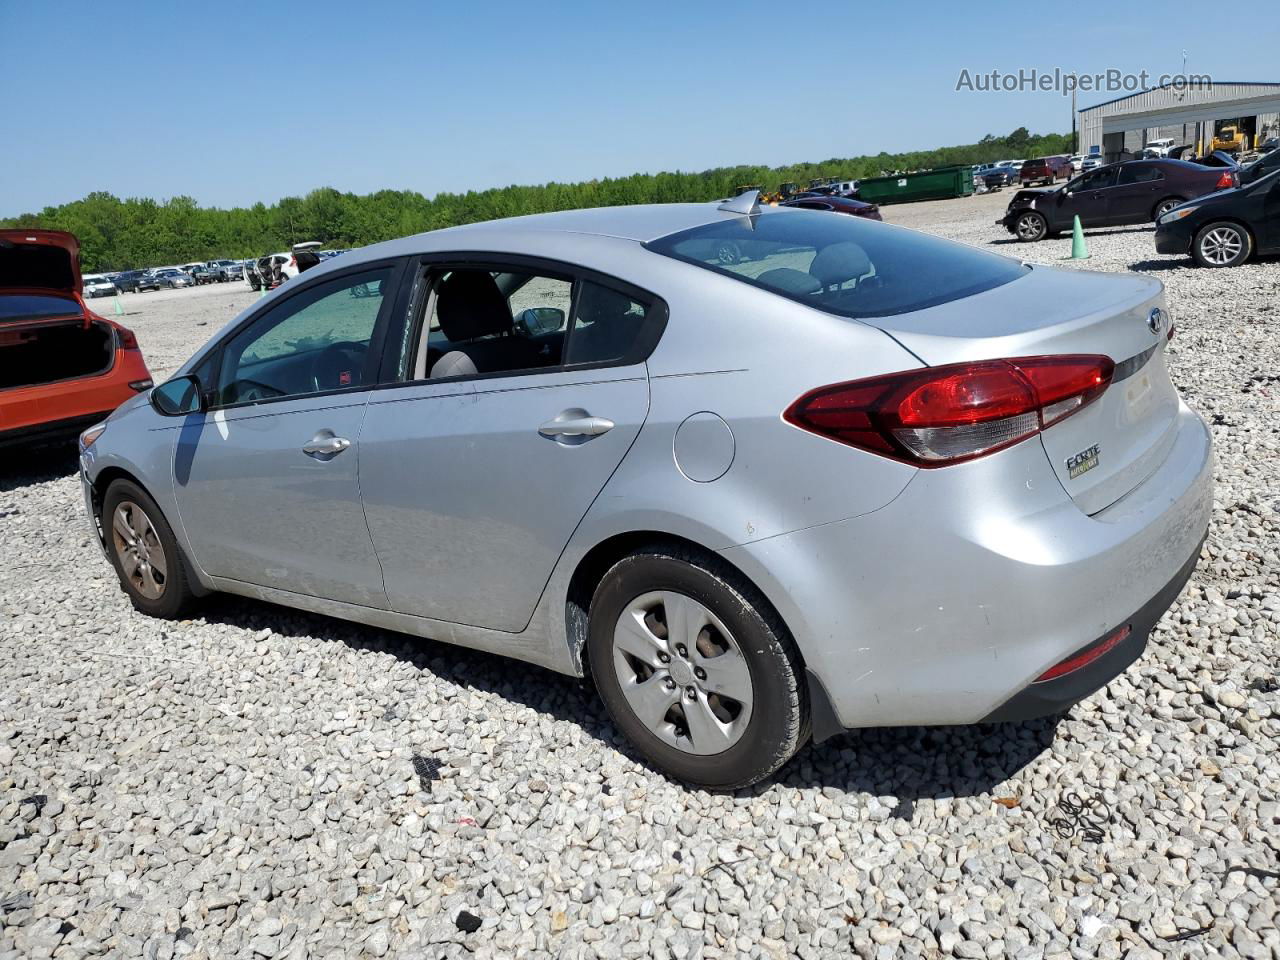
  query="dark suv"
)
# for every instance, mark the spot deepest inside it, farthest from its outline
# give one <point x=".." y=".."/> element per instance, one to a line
<point x="1135" y="191"/>
<point x="1045" y="170"/>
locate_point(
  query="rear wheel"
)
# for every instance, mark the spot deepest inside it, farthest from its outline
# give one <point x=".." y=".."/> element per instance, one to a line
<point x="1222" y="244"/>
<point x="1164" y="206"/>
<point x="1031" y="226"/>
<point x="144" y="552"/>
<point x="695" y="669"/>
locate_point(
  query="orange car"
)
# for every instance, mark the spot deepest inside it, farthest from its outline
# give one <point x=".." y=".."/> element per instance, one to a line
<point x="62" y="367"/>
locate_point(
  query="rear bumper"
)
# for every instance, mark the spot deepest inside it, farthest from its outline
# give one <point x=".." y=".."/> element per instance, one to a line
<point x="1039" y="699"/>
<point x="944" y="606"/>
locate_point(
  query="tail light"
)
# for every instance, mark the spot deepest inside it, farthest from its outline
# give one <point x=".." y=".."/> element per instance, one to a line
<point x="938" y="416"/>
<point x="1227" y="180"/>
<point x="127" y="340"/>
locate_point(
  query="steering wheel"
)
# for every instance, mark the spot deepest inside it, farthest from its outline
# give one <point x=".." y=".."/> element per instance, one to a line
<point x="339" y="365"/>
<point x="251" y="391"/>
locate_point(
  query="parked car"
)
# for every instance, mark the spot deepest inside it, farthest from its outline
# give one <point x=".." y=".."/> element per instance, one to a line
<point x="1259" y="168"/>
<point x="96" y="285"/>
<point x="846" y="188"/>
<point x="173" y="278"/>
<point x="1077" y="162"/>
<point x="1090" y="163"/>
<point x="198" y="272"/>
<point x="62" y="367"/>
<point x="147" y="281"/>
<point x="1158" y="148"/>
<point x="225" y="270"/>
<point x="750" y="501"/>
<point x="1135" y="191"/>
<point x="271" y="269"/>
<point x="999" y="176"/>
<point x="1045" y="170"/>
<point x="1225" y="229"/>
<point x="856" y="208"/>
<point x="127" y="281"/>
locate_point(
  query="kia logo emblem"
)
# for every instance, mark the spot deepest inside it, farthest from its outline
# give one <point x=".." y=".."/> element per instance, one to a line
<point x="1155" y="320"/>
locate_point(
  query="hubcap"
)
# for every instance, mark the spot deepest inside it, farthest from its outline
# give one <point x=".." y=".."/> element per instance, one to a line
<point x="139" y="549"/>
<point x="1221" y="245"/>
<point x="1028" y="227"/>
<point x="682" y="673"/>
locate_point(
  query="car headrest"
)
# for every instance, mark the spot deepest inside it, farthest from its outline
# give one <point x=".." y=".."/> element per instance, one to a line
<point x="455" y="363"/>
<point x="470" y="305"/>
<point x="790" y="280"/>
<point x="840" y="262"/>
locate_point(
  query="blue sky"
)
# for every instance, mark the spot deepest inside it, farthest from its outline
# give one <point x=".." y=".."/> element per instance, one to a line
<point x="234" y="103"/>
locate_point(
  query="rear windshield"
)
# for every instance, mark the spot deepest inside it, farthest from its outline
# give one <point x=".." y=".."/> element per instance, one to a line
<point x="36" y="307"/>
<point x="845" y="265"/>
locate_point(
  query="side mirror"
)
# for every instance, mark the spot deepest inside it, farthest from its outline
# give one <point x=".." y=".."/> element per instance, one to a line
<point x="178" y="397"/>
<point x="538" y="320"/>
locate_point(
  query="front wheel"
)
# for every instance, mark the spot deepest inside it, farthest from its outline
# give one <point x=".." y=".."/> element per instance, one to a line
<point x="144" y="552"/>
<point x="696" y="669"/>
<point x="1222" y="244"/>
<point x="1031" y="226"/>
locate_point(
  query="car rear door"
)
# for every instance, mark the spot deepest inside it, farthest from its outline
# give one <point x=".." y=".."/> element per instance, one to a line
<point x="1138" y="188"/>
<point x="474" y="484"/>
<point x="266" y="480"/>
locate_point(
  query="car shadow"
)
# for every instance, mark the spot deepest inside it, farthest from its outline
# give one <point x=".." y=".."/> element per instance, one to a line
<point x="1155" y="266"/>
<point x="909" y="763"/>
<point x="24" y="466"/>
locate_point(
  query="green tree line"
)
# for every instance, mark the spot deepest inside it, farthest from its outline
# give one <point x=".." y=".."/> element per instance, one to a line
<point x="120" y="234"/>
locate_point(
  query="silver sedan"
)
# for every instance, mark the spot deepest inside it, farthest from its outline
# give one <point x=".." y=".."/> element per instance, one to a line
<point x="763" y="475"/>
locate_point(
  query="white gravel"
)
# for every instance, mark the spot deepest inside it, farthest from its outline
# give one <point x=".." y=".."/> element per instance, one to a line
<point x="260" y="782"/>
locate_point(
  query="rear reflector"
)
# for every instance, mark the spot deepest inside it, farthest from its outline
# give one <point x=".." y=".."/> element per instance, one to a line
<point x="937" y="416"/>
<point x="1085" y="657"/>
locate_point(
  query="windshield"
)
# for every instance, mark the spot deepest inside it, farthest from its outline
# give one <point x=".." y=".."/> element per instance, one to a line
<point x="843" y="265"/>
<point x="36" y="307"/>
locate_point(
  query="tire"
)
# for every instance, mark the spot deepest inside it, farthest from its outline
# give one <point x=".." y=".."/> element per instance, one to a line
<point x="1030" y="226"/>
<point x="1164" y="206"/>
<point x="728" y="253"/>
<point x="167" y="596"/>
<point x="729" y="742"/>
<point x="1222" y="244"/>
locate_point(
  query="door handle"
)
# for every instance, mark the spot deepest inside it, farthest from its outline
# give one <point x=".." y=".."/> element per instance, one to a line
<point x="325" y="446"/>
<point x="575" y="425"/>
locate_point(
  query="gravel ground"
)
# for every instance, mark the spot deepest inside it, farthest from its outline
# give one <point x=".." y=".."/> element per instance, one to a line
<point x="260" y="782"/>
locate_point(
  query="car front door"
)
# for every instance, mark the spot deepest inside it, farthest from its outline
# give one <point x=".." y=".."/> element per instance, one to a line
<point x="266" y="478"/>
<point x="474" y="476"/>
<point x="1088" y="198"/>
<point x="1269" y="227"/>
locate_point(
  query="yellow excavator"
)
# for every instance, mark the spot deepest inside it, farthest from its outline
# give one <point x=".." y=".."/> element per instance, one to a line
<point x="784" y="192"/>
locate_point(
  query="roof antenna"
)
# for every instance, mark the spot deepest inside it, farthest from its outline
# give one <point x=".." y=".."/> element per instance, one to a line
<point x="747" y="203"/>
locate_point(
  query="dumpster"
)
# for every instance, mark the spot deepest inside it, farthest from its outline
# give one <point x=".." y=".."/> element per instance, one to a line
<point x="938" y="184"/>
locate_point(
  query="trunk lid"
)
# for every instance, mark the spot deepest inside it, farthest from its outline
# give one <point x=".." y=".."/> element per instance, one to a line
<point x="39" y="260"/>
<point x="1105" y="450"/>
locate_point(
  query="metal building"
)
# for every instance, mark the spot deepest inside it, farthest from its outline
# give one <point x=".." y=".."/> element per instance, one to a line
<point x="1189" y="114"/>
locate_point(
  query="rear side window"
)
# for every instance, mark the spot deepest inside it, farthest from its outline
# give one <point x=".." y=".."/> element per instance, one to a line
<point x="606" y="325"/>
<point x="847" y="266"/>
<point x="1137" y="174"/>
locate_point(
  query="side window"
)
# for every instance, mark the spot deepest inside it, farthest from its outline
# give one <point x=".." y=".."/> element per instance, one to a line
<point x="492" y="321"/>
<point x="1099" y="179"/>
<point x="606" y="325"/>
<point x="314" y="341"/>
<point x="1139" y="174"/>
